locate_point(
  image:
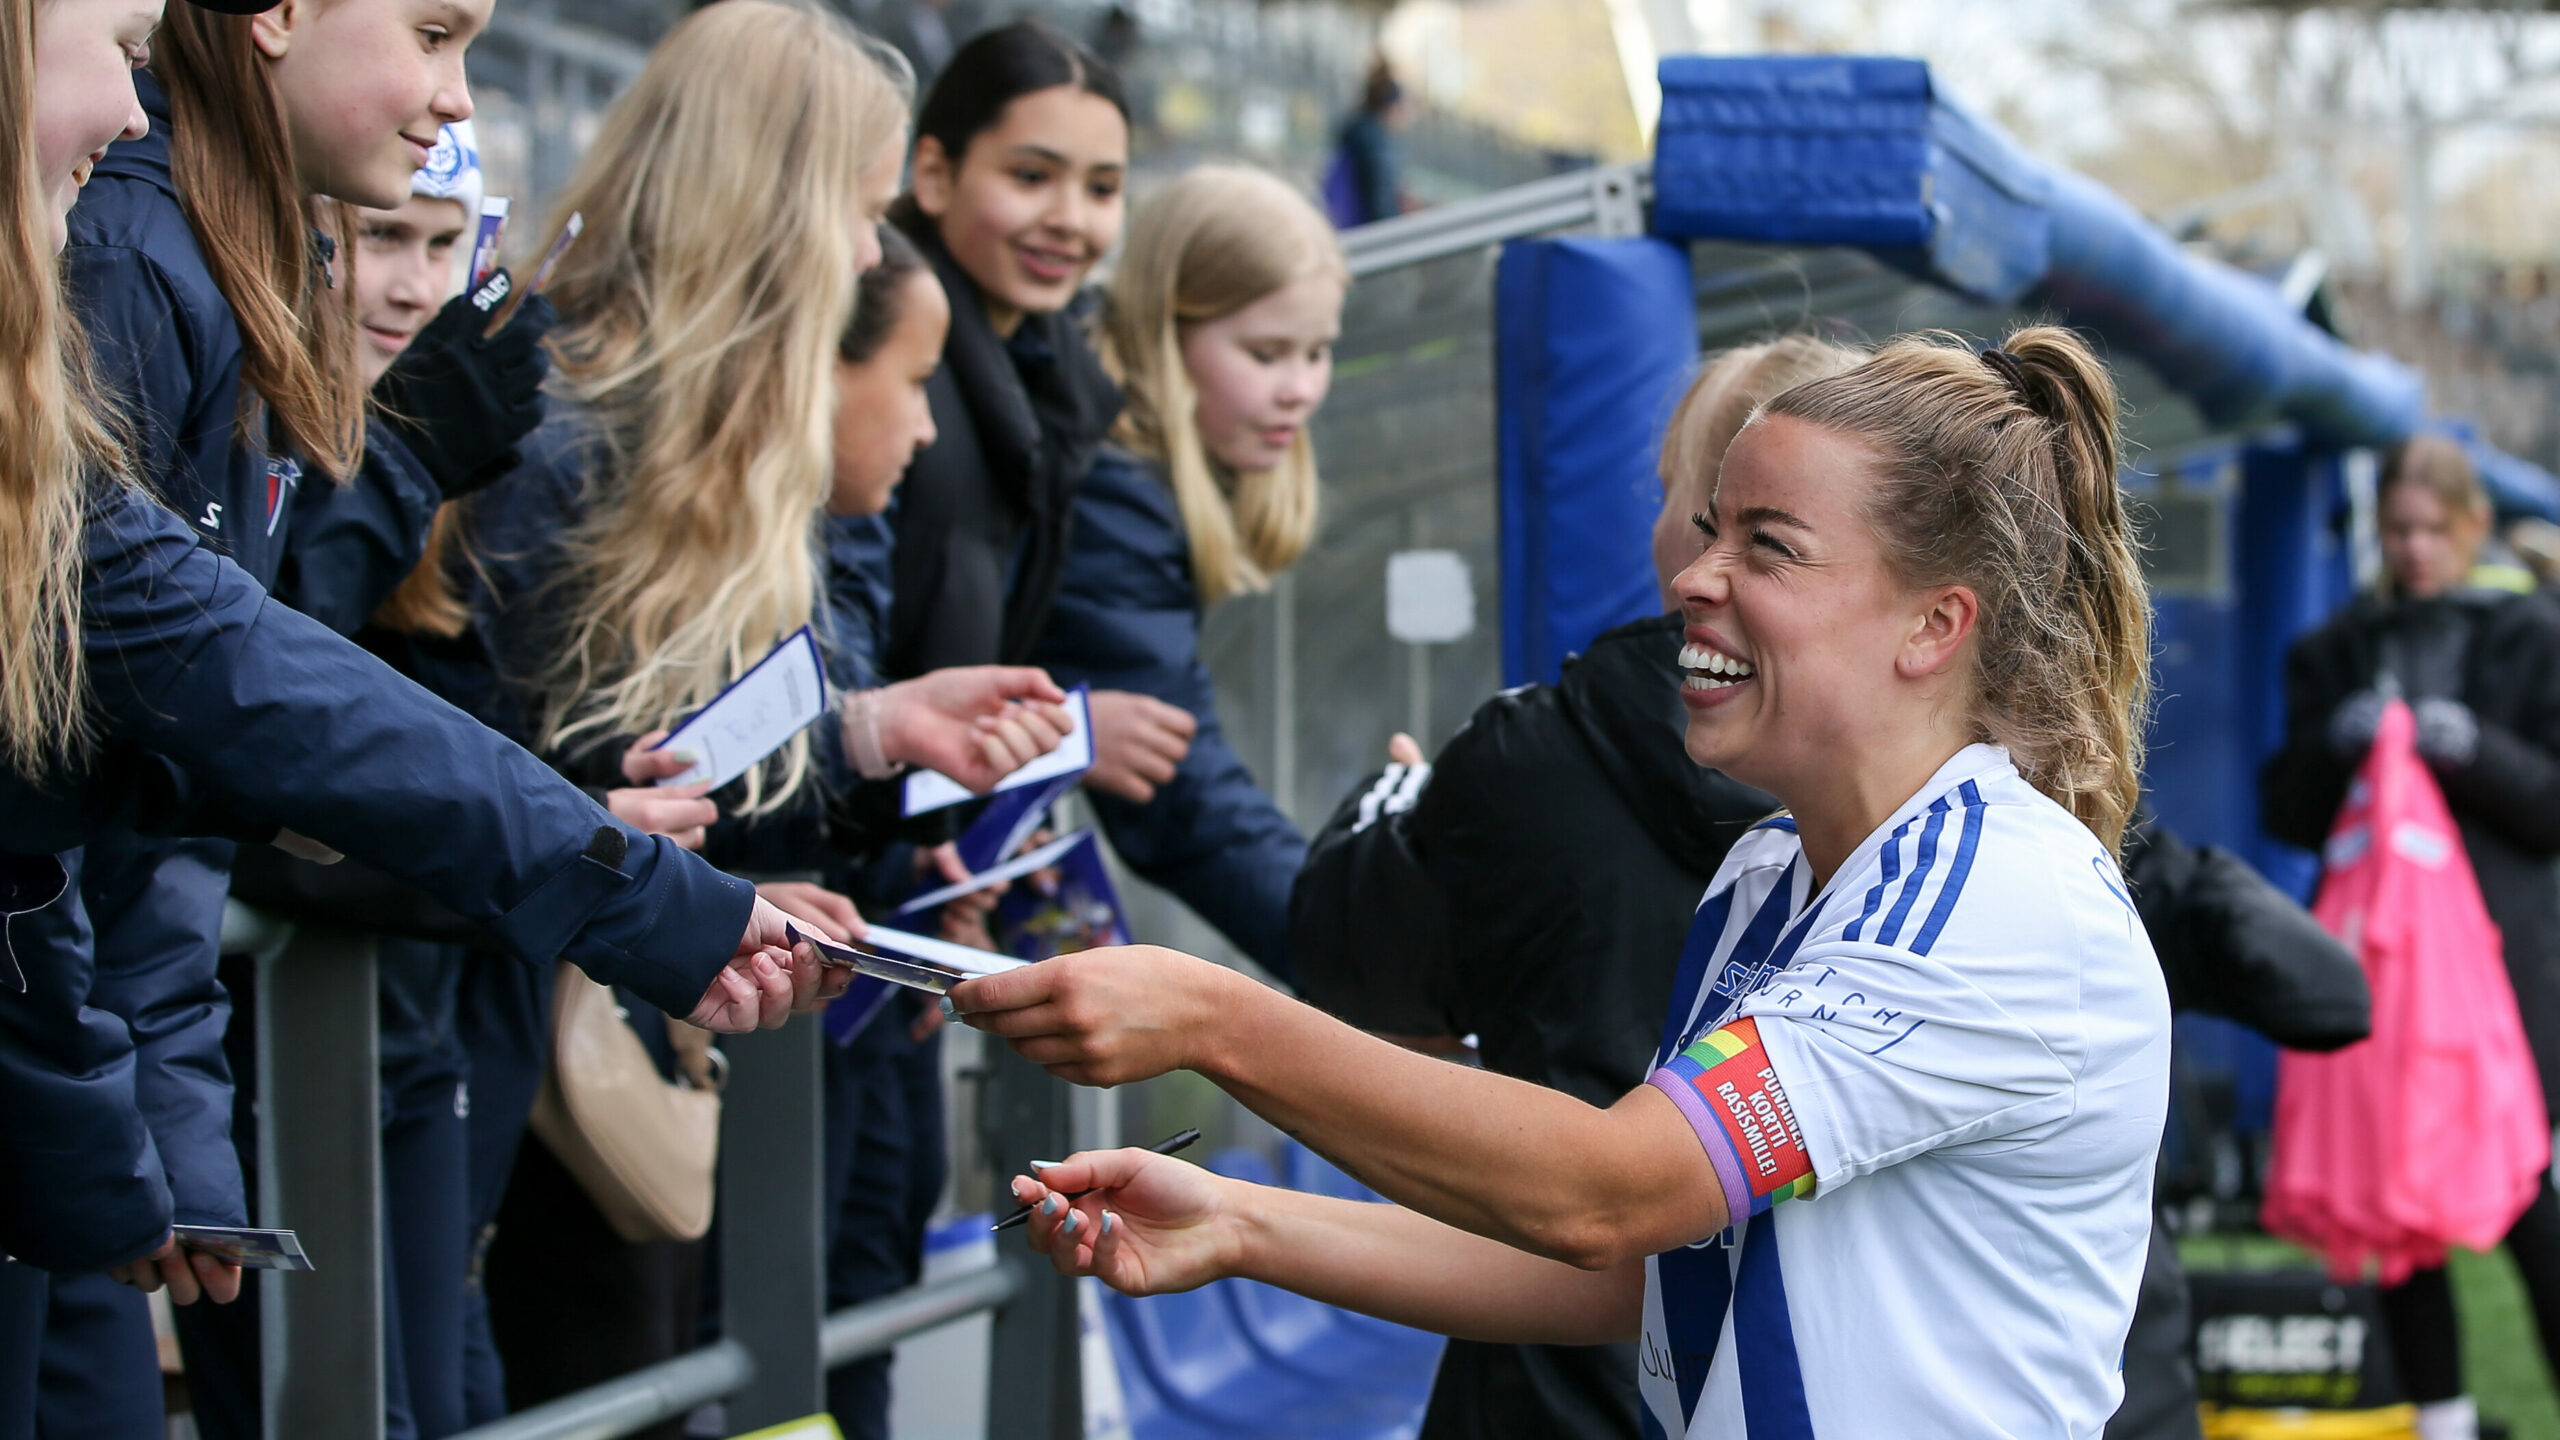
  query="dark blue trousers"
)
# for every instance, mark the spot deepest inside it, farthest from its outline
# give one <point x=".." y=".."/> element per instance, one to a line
<point x="885" y="1164"/>
<point x="503" y="1016"/>
<point x="77" y="1359"/>
<point x="426" y="1184"/>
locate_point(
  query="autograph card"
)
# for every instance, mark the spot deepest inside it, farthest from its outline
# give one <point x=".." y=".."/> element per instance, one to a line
<point x="757" y="715"/>
<point x="932" y="790"/>
<point x="1015" y="868"/>
<point x="248" y="1249"/>
<point x="915" y="961"/>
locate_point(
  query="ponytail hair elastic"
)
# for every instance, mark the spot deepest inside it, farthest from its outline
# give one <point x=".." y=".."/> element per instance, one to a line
<point x="2009" y="368"/>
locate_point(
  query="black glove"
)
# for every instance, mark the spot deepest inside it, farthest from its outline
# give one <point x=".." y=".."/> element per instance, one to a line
<point x="2448" y="733"/>
<point x="2352" y="724"/>
<point x="461" y="402"/>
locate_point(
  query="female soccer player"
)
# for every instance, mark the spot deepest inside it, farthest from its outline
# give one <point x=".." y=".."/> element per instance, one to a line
<point x="1891" y="1173"/>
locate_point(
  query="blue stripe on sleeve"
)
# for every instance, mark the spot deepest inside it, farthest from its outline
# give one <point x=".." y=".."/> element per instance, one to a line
<point x="1920" y="868"/>
<point x="1892" y="869"/>
<point x="1696" y="1284"/>
<point x="1956" y="873"/>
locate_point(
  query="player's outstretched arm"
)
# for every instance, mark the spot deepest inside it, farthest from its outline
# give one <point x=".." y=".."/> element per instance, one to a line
<point x="1148" y="1224"/>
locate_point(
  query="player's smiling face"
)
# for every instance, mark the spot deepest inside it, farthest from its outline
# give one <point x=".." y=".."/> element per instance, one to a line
<point x="1794" y="619"/>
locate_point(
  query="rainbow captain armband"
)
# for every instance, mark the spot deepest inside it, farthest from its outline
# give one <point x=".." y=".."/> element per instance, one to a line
<point x="1731" y="1096"/>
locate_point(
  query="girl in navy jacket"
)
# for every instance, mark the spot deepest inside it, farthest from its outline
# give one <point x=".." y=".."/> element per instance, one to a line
<point x="220" y="336"/>
<point x="205" y="704"/>
<point x="1220" y="324"/>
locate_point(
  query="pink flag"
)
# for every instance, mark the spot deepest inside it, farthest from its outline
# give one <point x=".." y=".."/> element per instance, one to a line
<point x="2431" y="1133"/>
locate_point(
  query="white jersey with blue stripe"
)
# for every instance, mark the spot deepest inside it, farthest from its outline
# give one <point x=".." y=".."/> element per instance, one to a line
<point x="1960" y="1048"/>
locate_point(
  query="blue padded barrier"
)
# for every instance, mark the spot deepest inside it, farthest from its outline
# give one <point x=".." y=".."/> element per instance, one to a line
<point x="1833" y="150"/>
<point x="1824" y="150"/>
<point x="1593" y="341"/>
<point x="2224" y="338"/>
<point x="1240" y="1359"/>
<point x="2516" y="485"/>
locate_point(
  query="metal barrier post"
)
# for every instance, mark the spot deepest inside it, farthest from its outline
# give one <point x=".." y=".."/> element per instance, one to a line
<point x="772" y="1237"/>
<point x="319" y="1172"/>
<point x="1035" y="1380"/>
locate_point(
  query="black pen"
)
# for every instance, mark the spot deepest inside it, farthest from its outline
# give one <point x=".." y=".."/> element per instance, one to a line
<point x="1170" y="1146"/>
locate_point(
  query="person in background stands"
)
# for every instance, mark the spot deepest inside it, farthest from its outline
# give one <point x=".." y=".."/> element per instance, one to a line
<point x="2481" y="669"/>
<point x="1219" y="323"/>
<point x="1366" y="181"/>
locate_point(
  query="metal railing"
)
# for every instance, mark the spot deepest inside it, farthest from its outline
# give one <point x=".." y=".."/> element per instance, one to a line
<point x="1610" y="200"/>
<point x="319" y="1172"/>
<point x="319" y="1140"/>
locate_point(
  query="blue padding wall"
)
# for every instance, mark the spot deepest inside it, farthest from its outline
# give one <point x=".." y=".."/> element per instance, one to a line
<point x="1843" y="150"/>
<point x="1593" y="340"/>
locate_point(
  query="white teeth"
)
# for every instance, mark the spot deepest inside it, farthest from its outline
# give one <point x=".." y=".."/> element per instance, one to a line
<point x="1713" y="662"/>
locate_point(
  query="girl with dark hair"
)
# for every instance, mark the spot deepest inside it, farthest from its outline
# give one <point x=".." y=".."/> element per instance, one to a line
<point x="1021" y="154"/>
<point x="2481" y="669"/>
<point x="1891" y="1171"/>
<point x="885" y="1161"/>
<point x="884" y="360"/>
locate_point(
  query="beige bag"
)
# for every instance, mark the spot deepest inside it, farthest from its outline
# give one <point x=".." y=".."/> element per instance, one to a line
<point x="645" y="1151"/>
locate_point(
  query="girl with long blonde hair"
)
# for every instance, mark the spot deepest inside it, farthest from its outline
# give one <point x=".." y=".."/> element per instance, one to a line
<point x="660" y="538"/>
<point x="663" y="532"/>
<point x="1219" y="323"/>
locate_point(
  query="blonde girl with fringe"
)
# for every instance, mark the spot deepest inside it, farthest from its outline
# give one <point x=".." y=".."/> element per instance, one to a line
<point x="1891" y="1171"/>
<point x="662" y="535"/>
<point x="1219" y="323"/>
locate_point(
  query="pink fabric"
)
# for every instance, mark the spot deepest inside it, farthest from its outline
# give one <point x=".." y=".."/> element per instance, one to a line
<point x="2431" y="1133"/>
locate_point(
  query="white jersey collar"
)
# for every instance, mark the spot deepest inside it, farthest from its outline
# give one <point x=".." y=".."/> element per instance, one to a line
<point x="1977" y="761"/>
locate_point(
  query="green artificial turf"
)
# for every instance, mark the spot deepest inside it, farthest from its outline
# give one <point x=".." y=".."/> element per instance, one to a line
<point x="2501" y="1359"/>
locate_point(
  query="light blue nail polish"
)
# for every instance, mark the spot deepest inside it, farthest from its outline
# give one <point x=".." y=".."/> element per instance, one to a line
<point x="949" y="1011"/>
<point x="1068" y="1225"/>
<point x="1109" y="1222"/>
<point x="1052" y="1205"/>
<point x="1045" y="1164"/>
